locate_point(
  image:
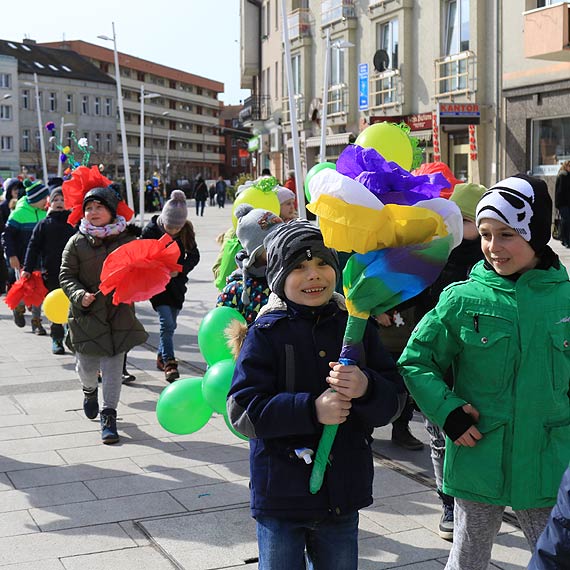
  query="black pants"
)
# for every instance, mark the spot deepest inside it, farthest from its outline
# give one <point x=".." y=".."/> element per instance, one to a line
<point x="200" y="205"/>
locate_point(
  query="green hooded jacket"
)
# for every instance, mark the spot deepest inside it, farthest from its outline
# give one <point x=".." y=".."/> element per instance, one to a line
<point x="509" y="345"/>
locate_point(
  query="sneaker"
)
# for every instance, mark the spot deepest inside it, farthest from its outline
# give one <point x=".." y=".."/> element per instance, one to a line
<point x="109" y="432"/>
<point x="171" y="370"/>
<point x="57" y="346"/>
<point x="127" y="377"/>
<point x="37" y="327"/>
<point x="19" y="318"/>
<point x="402" y="436"/>
<point x="90" y="404"/>
<point x="445" y="529"/>
<point x="159" y="363"/>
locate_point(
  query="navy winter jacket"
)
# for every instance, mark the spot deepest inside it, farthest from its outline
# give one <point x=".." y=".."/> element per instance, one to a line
<point x="46" y="246"/>
<point x="175" y="291"/>
<point x="553" y="546"/>
<point x="280" y="372"/>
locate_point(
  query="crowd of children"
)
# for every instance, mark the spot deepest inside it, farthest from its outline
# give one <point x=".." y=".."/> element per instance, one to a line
<point x="487" y="362"/>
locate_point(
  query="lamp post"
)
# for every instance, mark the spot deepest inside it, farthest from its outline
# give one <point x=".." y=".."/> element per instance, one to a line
<point x="40" y="127"/>
<point x="62" y="125"/>
<point x="339" y="45"/>
<point x="141" y="158"/>
<point x="129" y="187"/>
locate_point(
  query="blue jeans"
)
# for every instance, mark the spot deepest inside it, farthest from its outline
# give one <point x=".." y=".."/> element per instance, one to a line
<point x="167" y="319"/>
<point x="331" y="543"/>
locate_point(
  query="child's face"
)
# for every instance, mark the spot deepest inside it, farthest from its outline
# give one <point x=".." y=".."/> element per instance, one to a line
<point x="505" y="249"/>
<point x="172" y="230"/>
<point x="287" y="211"/>
<point x="97" y="214"/>
<point x="56" y="204"/>
<point x="470" y="231"/>
<point x="311" y="283"/>
<point x="40" y="204"/>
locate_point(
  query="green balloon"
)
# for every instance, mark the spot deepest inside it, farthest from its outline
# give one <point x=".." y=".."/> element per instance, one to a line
<point x="231" y="428"/>
<point x="216" y="384"/>
<point x="181" y="407"/>
<point x="317" y="168"/>
<point x="211" y="339"/>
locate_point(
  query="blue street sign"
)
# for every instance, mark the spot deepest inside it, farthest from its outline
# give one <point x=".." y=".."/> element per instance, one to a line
<point x="363" y="87"/>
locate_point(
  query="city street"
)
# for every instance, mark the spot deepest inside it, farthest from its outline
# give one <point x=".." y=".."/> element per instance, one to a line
<point x="162" y="501"/>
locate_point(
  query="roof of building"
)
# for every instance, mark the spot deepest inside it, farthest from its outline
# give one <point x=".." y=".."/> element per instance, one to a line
<point x="129" y="61"/>
<point x="36" y="58"/>
<point x="230" y="111"/>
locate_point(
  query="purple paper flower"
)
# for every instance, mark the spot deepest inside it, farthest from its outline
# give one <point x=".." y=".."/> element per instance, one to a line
<point x="50" y="126"/>
<point x="388" y="181"/>
<point x="62" y="157"/>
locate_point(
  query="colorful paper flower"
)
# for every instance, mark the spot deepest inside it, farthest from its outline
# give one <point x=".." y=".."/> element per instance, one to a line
<point x="82" y="143"/>
<point x="50" y="126"/>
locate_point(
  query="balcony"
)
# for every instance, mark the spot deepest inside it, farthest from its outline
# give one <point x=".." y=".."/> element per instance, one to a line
<point x="337" y="103"/>
<point x="255" y="108"/>
<point x="547" y="33"/>
<point x="299" y="24"/>
<point x="299" y="109"/>
<point x="333" y="11"/>
<point x="386" y="90"/>
<point x="455" y="75"/>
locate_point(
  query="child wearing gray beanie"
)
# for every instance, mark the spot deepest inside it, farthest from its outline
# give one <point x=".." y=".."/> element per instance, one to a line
<point x="175" y="212"/>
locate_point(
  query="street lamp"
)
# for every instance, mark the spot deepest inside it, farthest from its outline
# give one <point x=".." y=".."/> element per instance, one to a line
<point x="340" y="45"/>
<point x="40" y="128"/>
<point x="62" y="125"/>
<point x="141" y="158"/>
<point x="128" y="184"/>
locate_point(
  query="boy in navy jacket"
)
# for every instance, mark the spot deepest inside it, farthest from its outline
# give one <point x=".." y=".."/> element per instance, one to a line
<point x="287" y="385"/>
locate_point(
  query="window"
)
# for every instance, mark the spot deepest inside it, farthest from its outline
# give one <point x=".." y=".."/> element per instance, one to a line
<point x="140" y="76"/>
<point x="234" y="142"/>
<point x="6" y="143"/>
<point x="6" y="112"/>
<point x="296" y="72"/>
<point x="337" y="66"/>
<point x="456" y="26"/>
<point x="97" y="106"/>
<point x="52" y="101"/>
<point x="5" y="81"/>
<point x="68" y="138"/>
<point x="276" y="91"/>
<point x="38" y="144"/>
<point x="109" y="143"/>
<point x="41" y="100"/>
<point x="104" y="66"/>
<point x="234" y="161"/>
<point x="550" y="145"/>
<point x="388" y="40"/>
<point x="108" y="106"/>
<point x="25" y="98"/>
<point x="84" y="105"/>
<point x="69" y="103"/>
<point x="25" y="140"/>
<point x="243" y="162"/>
<point x="97" y="142"/>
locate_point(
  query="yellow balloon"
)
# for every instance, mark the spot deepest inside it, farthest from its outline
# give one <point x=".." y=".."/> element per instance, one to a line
<point x="56" y="306"/>
<point x="390" y="141"/>
<point x="258" y="199"/>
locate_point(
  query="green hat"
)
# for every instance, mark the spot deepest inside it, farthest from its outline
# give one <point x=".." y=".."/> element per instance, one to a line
<point x="466" y="196"/>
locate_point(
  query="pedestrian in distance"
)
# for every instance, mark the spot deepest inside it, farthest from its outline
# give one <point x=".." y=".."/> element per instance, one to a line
<point x="221" y="189"/>
<point x="457" y="268"/>
<point x="506" y="332"/>
<point x="100" y="333"/>
<point x="29" y="210"/>
<point x="287" y="386"/>
<point x="212" y="194"/>
<point x="200" y="195"/>
<point x="562" y="201"/>
<point x="173" y="220"/>
<point x="247" y="289"/>
<point x="44" y="253"/>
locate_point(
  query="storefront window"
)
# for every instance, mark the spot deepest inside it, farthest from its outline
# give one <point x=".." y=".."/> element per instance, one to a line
<point x="550" y="145"/>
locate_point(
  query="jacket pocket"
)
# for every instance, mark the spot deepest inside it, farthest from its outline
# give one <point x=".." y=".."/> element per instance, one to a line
<point x="555" y="456"/>
<point x="478" y="469"/>
<point x="490" y="347"/>
<point x="560" y="367"/>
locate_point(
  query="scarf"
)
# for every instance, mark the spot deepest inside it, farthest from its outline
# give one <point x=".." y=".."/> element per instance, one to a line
<point x="112" y="229"/>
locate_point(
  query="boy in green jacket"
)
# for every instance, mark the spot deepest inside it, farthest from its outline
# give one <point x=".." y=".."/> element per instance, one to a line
<point x="506" y="333"/>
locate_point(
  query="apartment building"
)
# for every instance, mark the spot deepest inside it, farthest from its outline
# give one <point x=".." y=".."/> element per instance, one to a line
<point x="432" y="64"/>
<point x="70" y="91"/>
<point x="181" y="116"/>
<point x="238" y="158"/>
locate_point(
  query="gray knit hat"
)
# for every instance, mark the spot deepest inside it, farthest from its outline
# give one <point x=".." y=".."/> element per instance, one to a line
<point x="175" y="212"/>
<point x="290" y="244"/>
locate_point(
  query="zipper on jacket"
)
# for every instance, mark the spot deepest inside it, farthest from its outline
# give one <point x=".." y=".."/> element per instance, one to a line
<point x="476" y="322"/>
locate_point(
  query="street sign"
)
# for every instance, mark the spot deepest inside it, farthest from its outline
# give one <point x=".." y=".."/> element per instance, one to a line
<point x="363" y="87"/>
<point x="253" y="144"/>
<point x="459" y="114"/>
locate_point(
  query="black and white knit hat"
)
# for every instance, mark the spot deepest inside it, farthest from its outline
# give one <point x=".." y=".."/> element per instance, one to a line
<point x="290" y="244"/>
<point x="35" y="191"/>
<point x="523" y="203"/>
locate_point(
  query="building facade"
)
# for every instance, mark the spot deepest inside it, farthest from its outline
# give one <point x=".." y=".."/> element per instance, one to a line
<point x="71" y="92"/>
<point x="182" y="118"/>
<point x="238" y="159"/>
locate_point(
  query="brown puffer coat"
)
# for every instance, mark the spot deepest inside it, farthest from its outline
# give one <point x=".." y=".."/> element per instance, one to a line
<point x="102" y="329"/>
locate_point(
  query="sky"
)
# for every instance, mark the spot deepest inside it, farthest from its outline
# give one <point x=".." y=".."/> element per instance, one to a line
<point x="196" y="36"/>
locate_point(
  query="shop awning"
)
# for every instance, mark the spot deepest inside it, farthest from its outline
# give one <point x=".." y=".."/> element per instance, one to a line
<point x="332" y="140"/>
